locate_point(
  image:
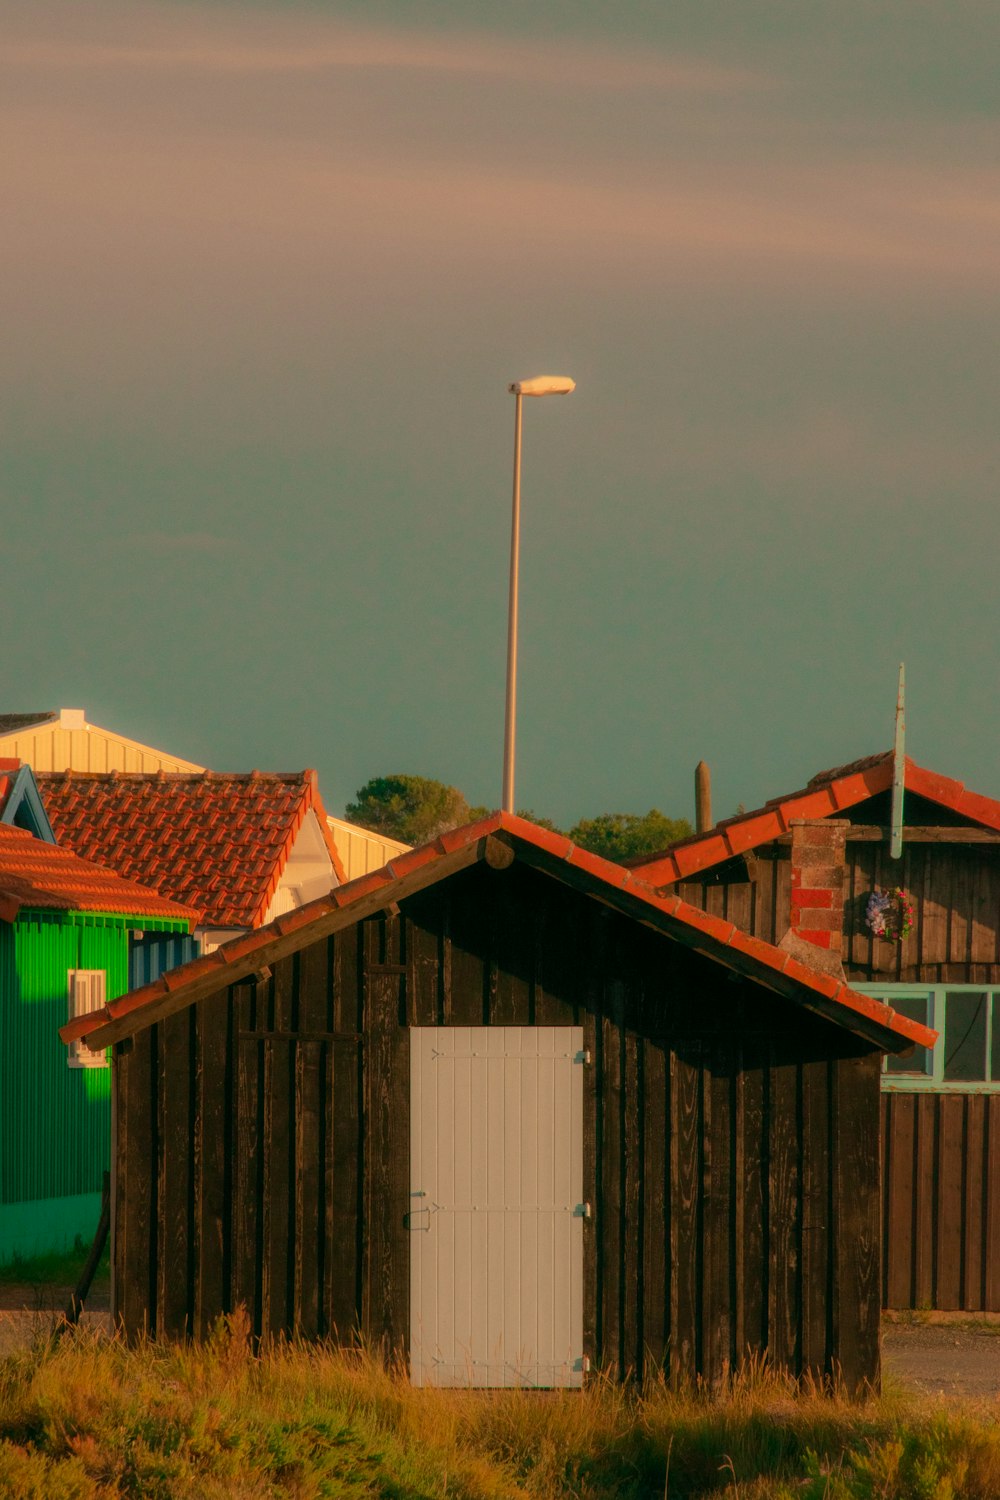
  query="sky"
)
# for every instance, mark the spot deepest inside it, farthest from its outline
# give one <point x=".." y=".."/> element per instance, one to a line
<point x="267" y="269"/>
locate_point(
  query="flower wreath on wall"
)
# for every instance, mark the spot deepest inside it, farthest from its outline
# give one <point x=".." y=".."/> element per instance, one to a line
<point x="890" y="914"/>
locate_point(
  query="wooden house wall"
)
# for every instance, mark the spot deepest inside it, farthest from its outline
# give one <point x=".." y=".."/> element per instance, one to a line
<point x="940" y="1151"/>
<point x="941" y="1201"/>
<point x="956" y="895"/>
<point x="730" y="1140"/>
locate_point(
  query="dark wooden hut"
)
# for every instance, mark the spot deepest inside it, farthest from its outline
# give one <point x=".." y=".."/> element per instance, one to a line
<point x="506" y="1110"/>
<point x="800" y="872"/>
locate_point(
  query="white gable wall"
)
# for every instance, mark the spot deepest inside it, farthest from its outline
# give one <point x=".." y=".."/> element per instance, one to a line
<point x="308" y="874"/>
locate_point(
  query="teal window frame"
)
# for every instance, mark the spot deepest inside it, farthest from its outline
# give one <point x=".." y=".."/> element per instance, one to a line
<point x="931" y="1079"/>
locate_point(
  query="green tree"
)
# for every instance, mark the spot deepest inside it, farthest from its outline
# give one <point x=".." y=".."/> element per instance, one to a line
<point x="413" y="809"/>
<point x="621" y="835"/>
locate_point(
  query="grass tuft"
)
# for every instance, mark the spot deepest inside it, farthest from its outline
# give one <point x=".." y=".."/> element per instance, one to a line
<point x="91" y="1418"/>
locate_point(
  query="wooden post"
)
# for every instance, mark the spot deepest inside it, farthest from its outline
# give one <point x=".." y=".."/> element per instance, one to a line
<point x="72" y="1314"/>
<point x="702" y="798"/>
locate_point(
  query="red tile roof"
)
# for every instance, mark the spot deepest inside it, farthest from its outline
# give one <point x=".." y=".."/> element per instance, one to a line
<point x="557" y="855"/>
<point x="216" y="841"/>
<point x="827" y="795"/>
<point x="36" y="874"/>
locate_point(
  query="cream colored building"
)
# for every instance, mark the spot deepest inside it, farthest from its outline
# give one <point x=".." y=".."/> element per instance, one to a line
<point x="62" y="740"/>
<point x="361" y="851"/>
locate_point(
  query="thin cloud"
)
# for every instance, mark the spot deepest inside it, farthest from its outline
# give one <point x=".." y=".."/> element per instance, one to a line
<point x="340" y="48"/>
<point x="182" y="541"/>
<point x="903" y="226"/>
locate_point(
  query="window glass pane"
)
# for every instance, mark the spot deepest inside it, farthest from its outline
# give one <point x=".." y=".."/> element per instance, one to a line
<point x="915" y="1008"/>
<point x="965" y="1036"/>
<point x="995" y="1049"/>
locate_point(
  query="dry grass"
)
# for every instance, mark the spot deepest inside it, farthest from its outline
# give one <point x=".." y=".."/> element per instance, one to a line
<point x="90" y="1418"/>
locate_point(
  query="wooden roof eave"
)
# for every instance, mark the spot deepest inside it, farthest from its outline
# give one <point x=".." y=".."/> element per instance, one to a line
<point x="611" y="885"/>
<point x="307" y="923"/>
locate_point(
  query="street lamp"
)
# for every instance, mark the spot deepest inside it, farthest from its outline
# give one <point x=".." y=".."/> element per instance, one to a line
<point x="538" y="385"/>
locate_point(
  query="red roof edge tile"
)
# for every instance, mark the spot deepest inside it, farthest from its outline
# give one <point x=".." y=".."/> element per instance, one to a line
<point x="411" y="859"/>
<point x="457" y="838"/>
<point x="316" y="805"/>
<point x="9" y="908"/>
<point x="952" y="794"/>
<point x="82" y="1025"/>
<point x="281" y="858"/>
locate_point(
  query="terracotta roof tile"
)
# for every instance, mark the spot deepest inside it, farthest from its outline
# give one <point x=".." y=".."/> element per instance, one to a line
<point x="34" y="873"/>
<point x="213" y="840"/>
<point x="674" y="916"/>
<point x="852" y="768"/>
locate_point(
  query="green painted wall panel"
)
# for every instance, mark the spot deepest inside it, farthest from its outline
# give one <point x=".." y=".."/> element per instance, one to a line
<point x="43" y="1225"/>
<point x="55" y="1121"/>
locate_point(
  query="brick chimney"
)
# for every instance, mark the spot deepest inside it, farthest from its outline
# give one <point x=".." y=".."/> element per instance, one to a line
<point x="818" y="873"/>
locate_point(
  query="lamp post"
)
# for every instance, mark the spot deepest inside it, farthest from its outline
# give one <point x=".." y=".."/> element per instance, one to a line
<point x="538" y="385"/>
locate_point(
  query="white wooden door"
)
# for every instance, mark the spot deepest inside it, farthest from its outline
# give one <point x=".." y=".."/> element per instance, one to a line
<point x="496" y="1213"/>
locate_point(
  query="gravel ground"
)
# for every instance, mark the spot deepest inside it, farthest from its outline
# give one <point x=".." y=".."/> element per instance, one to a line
<point x="944" y="1359"/>
<point x="29" y="1310"/>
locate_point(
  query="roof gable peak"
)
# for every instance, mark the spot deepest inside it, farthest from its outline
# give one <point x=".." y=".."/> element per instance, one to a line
<point x="828" y="794"/>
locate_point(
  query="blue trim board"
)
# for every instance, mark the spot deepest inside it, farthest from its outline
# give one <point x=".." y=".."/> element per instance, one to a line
<point x="24" y="807"/>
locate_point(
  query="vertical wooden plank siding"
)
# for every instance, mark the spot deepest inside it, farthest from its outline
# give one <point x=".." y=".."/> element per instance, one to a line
<point x="655" y="1223"/>
<point x="174" y="1175"/>
<point x="720" y="1218"/>
<point x="857" y="1219"/>
<point x="279" y="1153"/>
<point x="941" y="1190"/>
<point x="784" y="1213"/>
<point x="686" y="1209"/>
<point x="309" y="1208"/>
<point x="213" y="1162"/>
<point x="815" y="1228"/>
<point x="899" y="1140"/>
<point x="754" y="1225"/>
<point x="247" y="1226"/>
<point x="385" y="1291"/>
<point x="730" y="1141"/>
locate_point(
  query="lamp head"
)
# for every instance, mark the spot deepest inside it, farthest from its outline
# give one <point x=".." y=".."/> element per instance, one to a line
<point x="543" y="385"/>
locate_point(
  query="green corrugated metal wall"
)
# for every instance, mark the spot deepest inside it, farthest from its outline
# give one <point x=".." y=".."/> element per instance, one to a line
<point x="55" y="1121"/>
